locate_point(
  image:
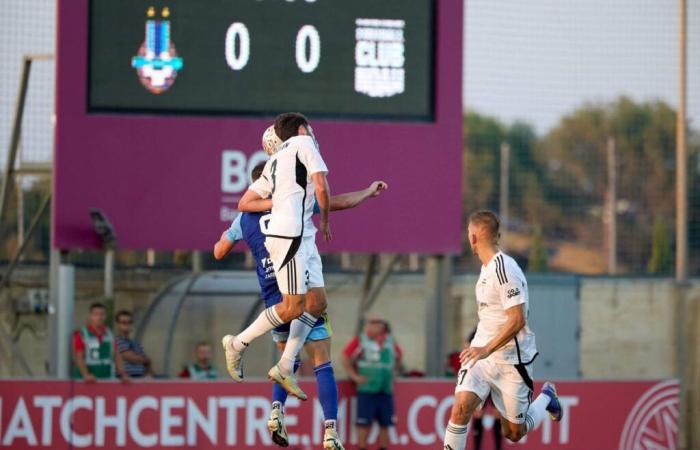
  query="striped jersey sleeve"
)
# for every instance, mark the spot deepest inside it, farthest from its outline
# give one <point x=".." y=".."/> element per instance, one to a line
<point x="511" y="284"/>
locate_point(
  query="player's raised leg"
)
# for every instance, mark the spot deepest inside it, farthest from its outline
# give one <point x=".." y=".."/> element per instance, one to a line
<point x="301" y="327"/>
<point x="288" y="264"/>
<point x="271" y="317"/>
<point x="291" y="280"/>
<point x="315" y="304"/>
<point x="545" y="403"/>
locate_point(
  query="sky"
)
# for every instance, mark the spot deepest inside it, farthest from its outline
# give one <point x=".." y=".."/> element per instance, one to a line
<point x="537" y="60"/>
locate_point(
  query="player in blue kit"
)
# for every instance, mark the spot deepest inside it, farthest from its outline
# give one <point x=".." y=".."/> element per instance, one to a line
<point x="247" y="227"/>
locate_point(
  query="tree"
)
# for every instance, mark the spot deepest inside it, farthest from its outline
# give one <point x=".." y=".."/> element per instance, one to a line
<point x="537" y="261"/>
<point x="575" y="153"/>
<point x="661" y="261"/>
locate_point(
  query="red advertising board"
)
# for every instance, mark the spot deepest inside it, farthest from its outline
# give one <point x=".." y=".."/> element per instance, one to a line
<point x="216" y="415"/>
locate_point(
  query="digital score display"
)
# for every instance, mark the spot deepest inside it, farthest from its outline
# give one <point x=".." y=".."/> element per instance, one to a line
<point x="356" y="59"/>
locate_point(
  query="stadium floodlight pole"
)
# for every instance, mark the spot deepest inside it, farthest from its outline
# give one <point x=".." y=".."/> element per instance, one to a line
<point x="682" y="156"/>
<point x="504" y="191"/>
<point x="612" y="207"/>
<point x="688" y="436"/>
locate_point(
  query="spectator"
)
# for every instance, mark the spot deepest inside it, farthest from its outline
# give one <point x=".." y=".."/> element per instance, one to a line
<point x="371" y="360"/>
<point x="95" y="350"/>
<point x="136" y="363"/>
<point x="202" y="368"/>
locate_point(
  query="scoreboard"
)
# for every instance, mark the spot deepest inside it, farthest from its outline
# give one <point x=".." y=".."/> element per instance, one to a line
<point x="161" y="106"/>
<point x="355" y="59"/>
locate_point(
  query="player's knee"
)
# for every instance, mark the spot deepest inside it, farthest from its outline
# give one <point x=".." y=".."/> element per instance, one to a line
<point x="514" y="434"/>
<point x="316" y="301"/>
<point x="291" y="311"/>
<point x="317" y="308"/>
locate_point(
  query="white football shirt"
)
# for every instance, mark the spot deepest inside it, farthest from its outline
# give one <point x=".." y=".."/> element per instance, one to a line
<point x="502" y="285"/>
<point x="287" y="178"/>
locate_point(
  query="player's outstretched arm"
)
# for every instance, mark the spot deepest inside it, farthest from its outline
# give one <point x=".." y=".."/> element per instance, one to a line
<point x="352" y="199"/>
<point x="229" y="238"/>
<point x="323" y="197"/>
<point x="253" y="202"/>
<point x="223" y="247"/>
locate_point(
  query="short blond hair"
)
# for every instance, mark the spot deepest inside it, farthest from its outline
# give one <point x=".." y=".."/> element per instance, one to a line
<point x="488" y="220"/>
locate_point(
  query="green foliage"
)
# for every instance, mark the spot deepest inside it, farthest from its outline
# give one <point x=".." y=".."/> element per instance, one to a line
<point x="661" y="261"/>
<point x="537" y="261"/>
<point x="559" y="180"/>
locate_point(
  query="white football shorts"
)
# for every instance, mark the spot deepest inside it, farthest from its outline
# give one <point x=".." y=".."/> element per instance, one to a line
<point x="509" y="391"/>
<point x="297" y="264"/>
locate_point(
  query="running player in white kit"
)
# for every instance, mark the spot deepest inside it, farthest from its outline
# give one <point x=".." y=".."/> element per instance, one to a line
<point x="499" y="360"/>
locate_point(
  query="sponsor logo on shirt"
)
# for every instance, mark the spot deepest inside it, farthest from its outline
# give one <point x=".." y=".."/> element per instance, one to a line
<point x="513" y="292"/>
<point x="269" y="269"/>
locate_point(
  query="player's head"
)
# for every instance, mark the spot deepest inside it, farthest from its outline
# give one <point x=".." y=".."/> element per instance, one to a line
<point x="270" y="140"/>
<point x="203" y="352"/>
<point x="483" y="229"/>
<point x="124" y="321"/>
<point x="97" y="315"/>
<point x="375" y="327"/>
<point x="257" y="172"/>
<point x="292" y="124"/>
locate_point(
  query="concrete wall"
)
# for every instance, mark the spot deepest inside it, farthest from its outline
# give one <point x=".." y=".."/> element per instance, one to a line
<point x="628" y="327"/>
<point x="627" y="324"/>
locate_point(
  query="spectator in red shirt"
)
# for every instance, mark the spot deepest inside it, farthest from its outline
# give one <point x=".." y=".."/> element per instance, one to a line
<point x="372" y="360"/>
<point x="95" y="351"/>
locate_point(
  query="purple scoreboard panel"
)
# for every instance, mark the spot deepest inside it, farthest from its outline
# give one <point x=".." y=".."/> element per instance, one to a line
<point x="161" y="105"/>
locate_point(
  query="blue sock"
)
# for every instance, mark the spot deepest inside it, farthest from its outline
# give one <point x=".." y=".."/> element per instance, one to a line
<point x="327" y="391"/>
<point x="278" y="393"/>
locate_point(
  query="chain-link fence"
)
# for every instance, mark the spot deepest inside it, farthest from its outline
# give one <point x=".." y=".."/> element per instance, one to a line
<point x="571" y="116"/>
<point x="27" y="28"/>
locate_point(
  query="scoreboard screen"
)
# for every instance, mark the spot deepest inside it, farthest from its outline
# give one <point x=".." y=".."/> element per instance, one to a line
<point x="356" y="59"/>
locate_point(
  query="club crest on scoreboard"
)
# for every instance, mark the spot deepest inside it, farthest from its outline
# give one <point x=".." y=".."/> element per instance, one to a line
<point x="157" y="63"/>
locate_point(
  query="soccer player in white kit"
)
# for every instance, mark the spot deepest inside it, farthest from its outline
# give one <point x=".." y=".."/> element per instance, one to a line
<point x="499" y="360"/>
<point x="294" y="178"/>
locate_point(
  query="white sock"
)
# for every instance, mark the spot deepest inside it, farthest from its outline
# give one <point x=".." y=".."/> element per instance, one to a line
<point x="456" y="436"/>
<point x="537" y="411"/>
<point x="266" y="321"/>
<point x="299" y="330"/>
<point x="278" y="405"/>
